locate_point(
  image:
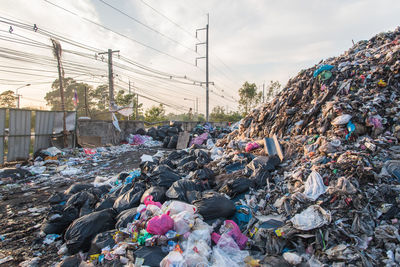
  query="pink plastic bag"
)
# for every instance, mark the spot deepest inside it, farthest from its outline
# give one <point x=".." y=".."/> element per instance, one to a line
<point x="90" y="151"/>
<point x="159" y="225"/>
<point x="149" y="201"/>
<point x="252" y="146"/>
<point x="234" y="232"/>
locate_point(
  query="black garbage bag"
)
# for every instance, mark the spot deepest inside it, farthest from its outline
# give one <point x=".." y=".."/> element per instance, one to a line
<point x="173" y="142"/>
<point x="185" y="190"/>
<point x="202" y="157"/>
<point x="174" y="155"/>
<point x="56" y="224"/>
<point x="141" y="131"/>
<point x="57" y="198"/>
<point x="173" y="131"/>
<point x="101" y="241"/>
<point x="267" y="163"/>
<point x="158" y="193"/>
<point x="75" y="188"/>
<point x="81" y="232"/>
<point x="147" y="166"/>
<point x="86" y="208"/>
<point x="106" y="203"/>
<point x="152" y="255"/>
<point x="80" y="198"/>
<point x="99" y="191"/>
<point x="120" y="191"/>
<point x="152" y="132"/>
<point x="259" y="178"/>
<point x="162" y="132"/>
<point x="71" y="261"/>
<point x="164" y="176"/>
<point x="185" y="160"/>
<point x="167" y="162"/>
<point x="166" y="141"/>
<point x="14" y="173"/>
<point x="214" y="205"/>
<point x="204" y="174"/>
<point x="125" y="217"/>
<point x="190" y="166"/>
<point x="236" y="186"/>
<point x="131" y="198"/>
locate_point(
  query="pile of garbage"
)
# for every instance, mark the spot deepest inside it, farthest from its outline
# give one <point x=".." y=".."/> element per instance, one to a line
<point x="169" y="134"/>
<point x="338" y="191"/>
<point x="311" y="179"/>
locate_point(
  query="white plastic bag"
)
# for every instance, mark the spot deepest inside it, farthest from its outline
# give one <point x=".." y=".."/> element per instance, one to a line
<point x="183" y="222"/>
<point x="341" y="120"/>
<point x="173" y="259"/>
<point x="314" y="186"/>
<point x="312" y="217"/>
<point x="145" y="158"/>
<point x="227" y="253"/>
<point x="175" y="207"/>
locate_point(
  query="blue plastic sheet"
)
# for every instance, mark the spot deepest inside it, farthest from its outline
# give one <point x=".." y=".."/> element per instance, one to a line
<point x="321" y="69"/>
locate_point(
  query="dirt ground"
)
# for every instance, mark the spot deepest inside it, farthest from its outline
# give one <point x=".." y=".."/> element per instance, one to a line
<point x="23" y="210"/>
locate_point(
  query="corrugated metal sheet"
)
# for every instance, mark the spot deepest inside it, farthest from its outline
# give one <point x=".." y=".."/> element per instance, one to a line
<point x="44" y="124"/>
<point x="2" y="133"/>
<point x="19" y="136"/>
<point x="69" y="121"/>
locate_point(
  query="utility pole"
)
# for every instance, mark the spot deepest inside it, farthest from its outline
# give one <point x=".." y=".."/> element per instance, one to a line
<point x="18" y="95"/>
<point x="206" y="57"/>
<point x="110" y="77"/>
<point x="57" y="53"/>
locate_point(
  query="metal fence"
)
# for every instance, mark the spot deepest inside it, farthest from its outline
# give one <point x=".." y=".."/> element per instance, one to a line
<point x="17" y="131"/>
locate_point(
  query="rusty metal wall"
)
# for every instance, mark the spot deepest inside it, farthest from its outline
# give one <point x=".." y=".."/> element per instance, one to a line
<point x="44" y="124"/>
<point x="2" y="133"/>
<point x="19" y="134"/>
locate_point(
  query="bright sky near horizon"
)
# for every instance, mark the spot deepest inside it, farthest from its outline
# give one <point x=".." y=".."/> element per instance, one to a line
<point x="250" y="40"/>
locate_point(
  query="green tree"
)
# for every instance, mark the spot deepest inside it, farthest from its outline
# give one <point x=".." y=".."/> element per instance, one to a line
<point x="272" y="89"/>
<point x="100" y="97"/>
<point x="249" y="97"/>
<point x="218" y="114"/>
<point x="8" y="99"/>
<point x="155" y="113"/>
<point x="234" y="116"/>
<point x="70" y="85"/>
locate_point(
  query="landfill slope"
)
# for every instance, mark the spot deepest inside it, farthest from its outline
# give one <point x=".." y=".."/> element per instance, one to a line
<point x="308" y="104"/>
<point x="338" y="187"/>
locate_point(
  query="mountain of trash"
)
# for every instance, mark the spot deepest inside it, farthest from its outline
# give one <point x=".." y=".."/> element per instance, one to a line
<point x="309" y="179"/>
<point x="361" y="87"/>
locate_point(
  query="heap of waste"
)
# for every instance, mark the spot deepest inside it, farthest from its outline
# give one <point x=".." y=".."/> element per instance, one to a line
<point x="311" y="178"/>
<point x="169" y="134"/>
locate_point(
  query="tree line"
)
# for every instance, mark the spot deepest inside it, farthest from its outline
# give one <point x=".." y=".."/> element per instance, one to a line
<point x="94" y="102"/>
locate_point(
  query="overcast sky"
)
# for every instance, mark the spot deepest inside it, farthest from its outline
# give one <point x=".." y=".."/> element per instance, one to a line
<point x="250" y="40"/>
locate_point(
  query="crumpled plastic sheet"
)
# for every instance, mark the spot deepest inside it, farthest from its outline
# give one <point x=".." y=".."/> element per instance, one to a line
<point x="314" y="186"/>
<point x="312" y="217"/>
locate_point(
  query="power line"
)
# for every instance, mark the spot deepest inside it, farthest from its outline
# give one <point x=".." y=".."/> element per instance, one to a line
<point x="52" y="35"/>
<point x="170" y="20"/>
<point x="147" y="26"/>
<point x="120" y="34"/>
